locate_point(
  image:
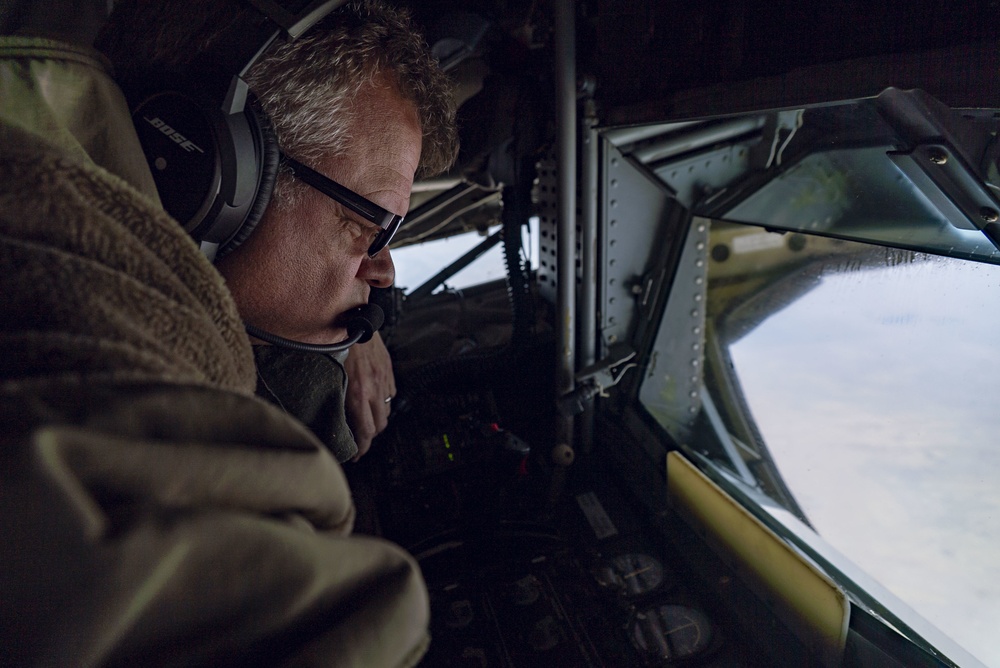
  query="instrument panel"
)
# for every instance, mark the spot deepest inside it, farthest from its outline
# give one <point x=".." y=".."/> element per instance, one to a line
<point x="530" y="564"/>
<point x="525" y="596"/>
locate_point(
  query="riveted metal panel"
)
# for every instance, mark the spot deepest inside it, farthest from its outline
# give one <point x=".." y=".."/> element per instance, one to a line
<point x="544" y="197"/>
<point x="632" y="209"/>
<point x="698" y="175"/>
<point x="671" y="390"/>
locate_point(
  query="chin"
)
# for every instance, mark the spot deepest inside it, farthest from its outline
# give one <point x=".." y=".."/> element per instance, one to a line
<point x="327" y="336"/>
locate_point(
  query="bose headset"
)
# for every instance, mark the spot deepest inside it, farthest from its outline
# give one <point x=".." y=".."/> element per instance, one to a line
<point x="213" y="153"/>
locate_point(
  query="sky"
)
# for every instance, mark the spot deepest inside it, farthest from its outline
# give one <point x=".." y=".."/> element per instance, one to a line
<point x="875" y="393"/>
<point x="415" y="264"/>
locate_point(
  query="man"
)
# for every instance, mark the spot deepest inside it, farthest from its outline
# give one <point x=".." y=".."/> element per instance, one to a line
<point x="154" y="511"/>
<point x="288" y="278"/>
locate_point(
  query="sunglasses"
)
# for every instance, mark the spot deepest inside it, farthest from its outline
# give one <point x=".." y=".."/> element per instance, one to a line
<point x="387" y="221"/>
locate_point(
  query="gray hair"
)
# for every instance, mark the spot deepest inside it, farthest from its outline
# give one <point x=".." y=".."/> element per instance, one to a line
<point x="305" y="86"/>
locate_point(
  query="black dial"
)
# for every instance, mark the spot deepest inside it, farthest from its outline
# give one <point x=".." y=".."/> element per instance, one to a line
<point x="672" y="632"/>
<point x="632" y="574"/>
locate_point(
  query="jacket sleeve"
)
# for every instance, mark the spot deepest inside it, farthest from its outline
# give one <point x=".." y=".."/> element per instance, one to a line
<point x="185" y="526"/>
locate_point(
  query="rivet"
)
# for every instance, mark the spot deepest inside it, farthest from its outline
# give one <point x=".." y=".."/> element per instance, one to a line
<point x="938" y="157"/>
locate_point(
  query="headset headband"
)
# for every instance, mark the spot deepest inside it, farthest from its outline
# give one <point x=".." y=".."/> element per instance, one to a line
<point x="239" y="46"/>
<point x="296" y="17"/>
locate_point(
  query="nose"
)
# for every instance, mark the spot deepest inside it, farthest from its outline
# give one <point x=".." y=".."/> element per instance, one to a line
<point x="378" y="271"/>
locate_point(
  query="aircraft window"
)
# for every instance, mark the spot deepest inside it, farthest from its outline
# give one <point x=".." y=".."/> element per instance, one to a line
<point x="851" y="384"/>
<point x="417" y="263"/>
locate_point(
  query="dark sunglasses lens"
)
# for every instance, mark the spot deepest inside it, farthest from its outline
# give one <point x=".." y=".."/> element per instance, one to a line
<point x="384" y="236"/>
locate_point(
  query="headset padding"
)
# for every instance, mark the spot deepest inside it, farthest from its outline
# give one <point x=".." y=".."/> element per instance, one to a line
<point x="269" y="164"/>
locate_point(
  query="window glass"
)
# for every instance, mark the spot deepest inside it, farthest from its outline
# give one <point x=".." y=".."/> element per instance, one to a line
<point x="417" y="263"/>
<point x="854" y="385"/>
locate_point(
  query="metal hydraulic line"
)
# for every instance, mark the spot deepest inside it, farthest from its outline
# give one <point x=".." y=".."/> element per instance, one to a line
<point x="587" y="352"/>
<point x="565" y="76"/>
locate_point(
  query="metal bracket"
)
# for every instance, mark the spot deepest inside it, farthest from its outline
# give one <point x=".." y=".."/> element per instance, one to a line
<point x="608" y="372"/>
<point x="939" y="172"/>
<point x="943" y="157"/>
<point x="596" y="379"/>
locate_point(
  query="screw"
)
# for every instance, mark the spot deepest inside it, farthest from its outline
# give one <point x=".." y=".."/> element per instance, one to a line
<point x="989" y="215"/>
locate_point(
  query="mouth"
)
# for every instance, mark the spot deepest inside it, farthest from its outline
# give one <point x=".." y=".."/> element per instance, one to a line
<point x="362" y="320"/>
<point x="345" y="316"/>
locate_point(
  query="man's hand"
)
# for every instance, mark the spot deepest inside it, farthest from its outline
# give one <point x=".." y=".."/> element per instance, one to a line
<point x="369" y="383"/>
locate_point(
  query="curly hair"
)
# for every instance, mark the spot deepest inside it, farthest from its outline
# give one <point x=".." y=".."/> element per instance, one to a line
<point x="305" y="86"/>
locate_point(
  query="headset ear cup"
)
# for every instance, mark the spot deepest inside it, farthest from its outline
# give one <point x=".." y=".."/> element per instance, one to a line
<point x="270" y="159"/>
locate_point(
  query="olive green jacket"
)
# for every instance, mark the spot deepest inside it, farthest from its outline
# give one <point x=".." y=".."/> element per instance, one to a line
<point x="152" y="510"/>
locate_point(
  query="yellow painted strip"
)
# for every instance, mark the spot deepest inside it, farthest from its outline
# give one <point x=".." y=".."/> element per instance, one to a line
<point x="804" y="598"/>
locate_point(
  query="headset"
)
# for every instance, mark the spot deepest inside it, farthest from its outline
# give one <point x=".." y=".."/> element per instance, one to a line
<point x="212" y="150"/>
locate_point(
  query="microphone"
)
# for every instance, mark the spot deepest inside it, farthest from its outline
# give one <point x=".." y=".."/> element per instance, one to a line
<point x="361" y="322"/>
<point x="368" y="318"/>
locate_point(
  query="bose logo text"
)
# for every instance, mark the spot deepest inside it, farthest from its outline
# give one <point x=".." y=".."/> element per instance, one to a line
<point x="181" y="140"/>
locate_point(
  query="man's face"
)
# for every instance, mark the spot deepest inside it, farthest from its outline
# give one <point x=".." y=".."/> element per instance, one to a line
<point x="306" y="265"/>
